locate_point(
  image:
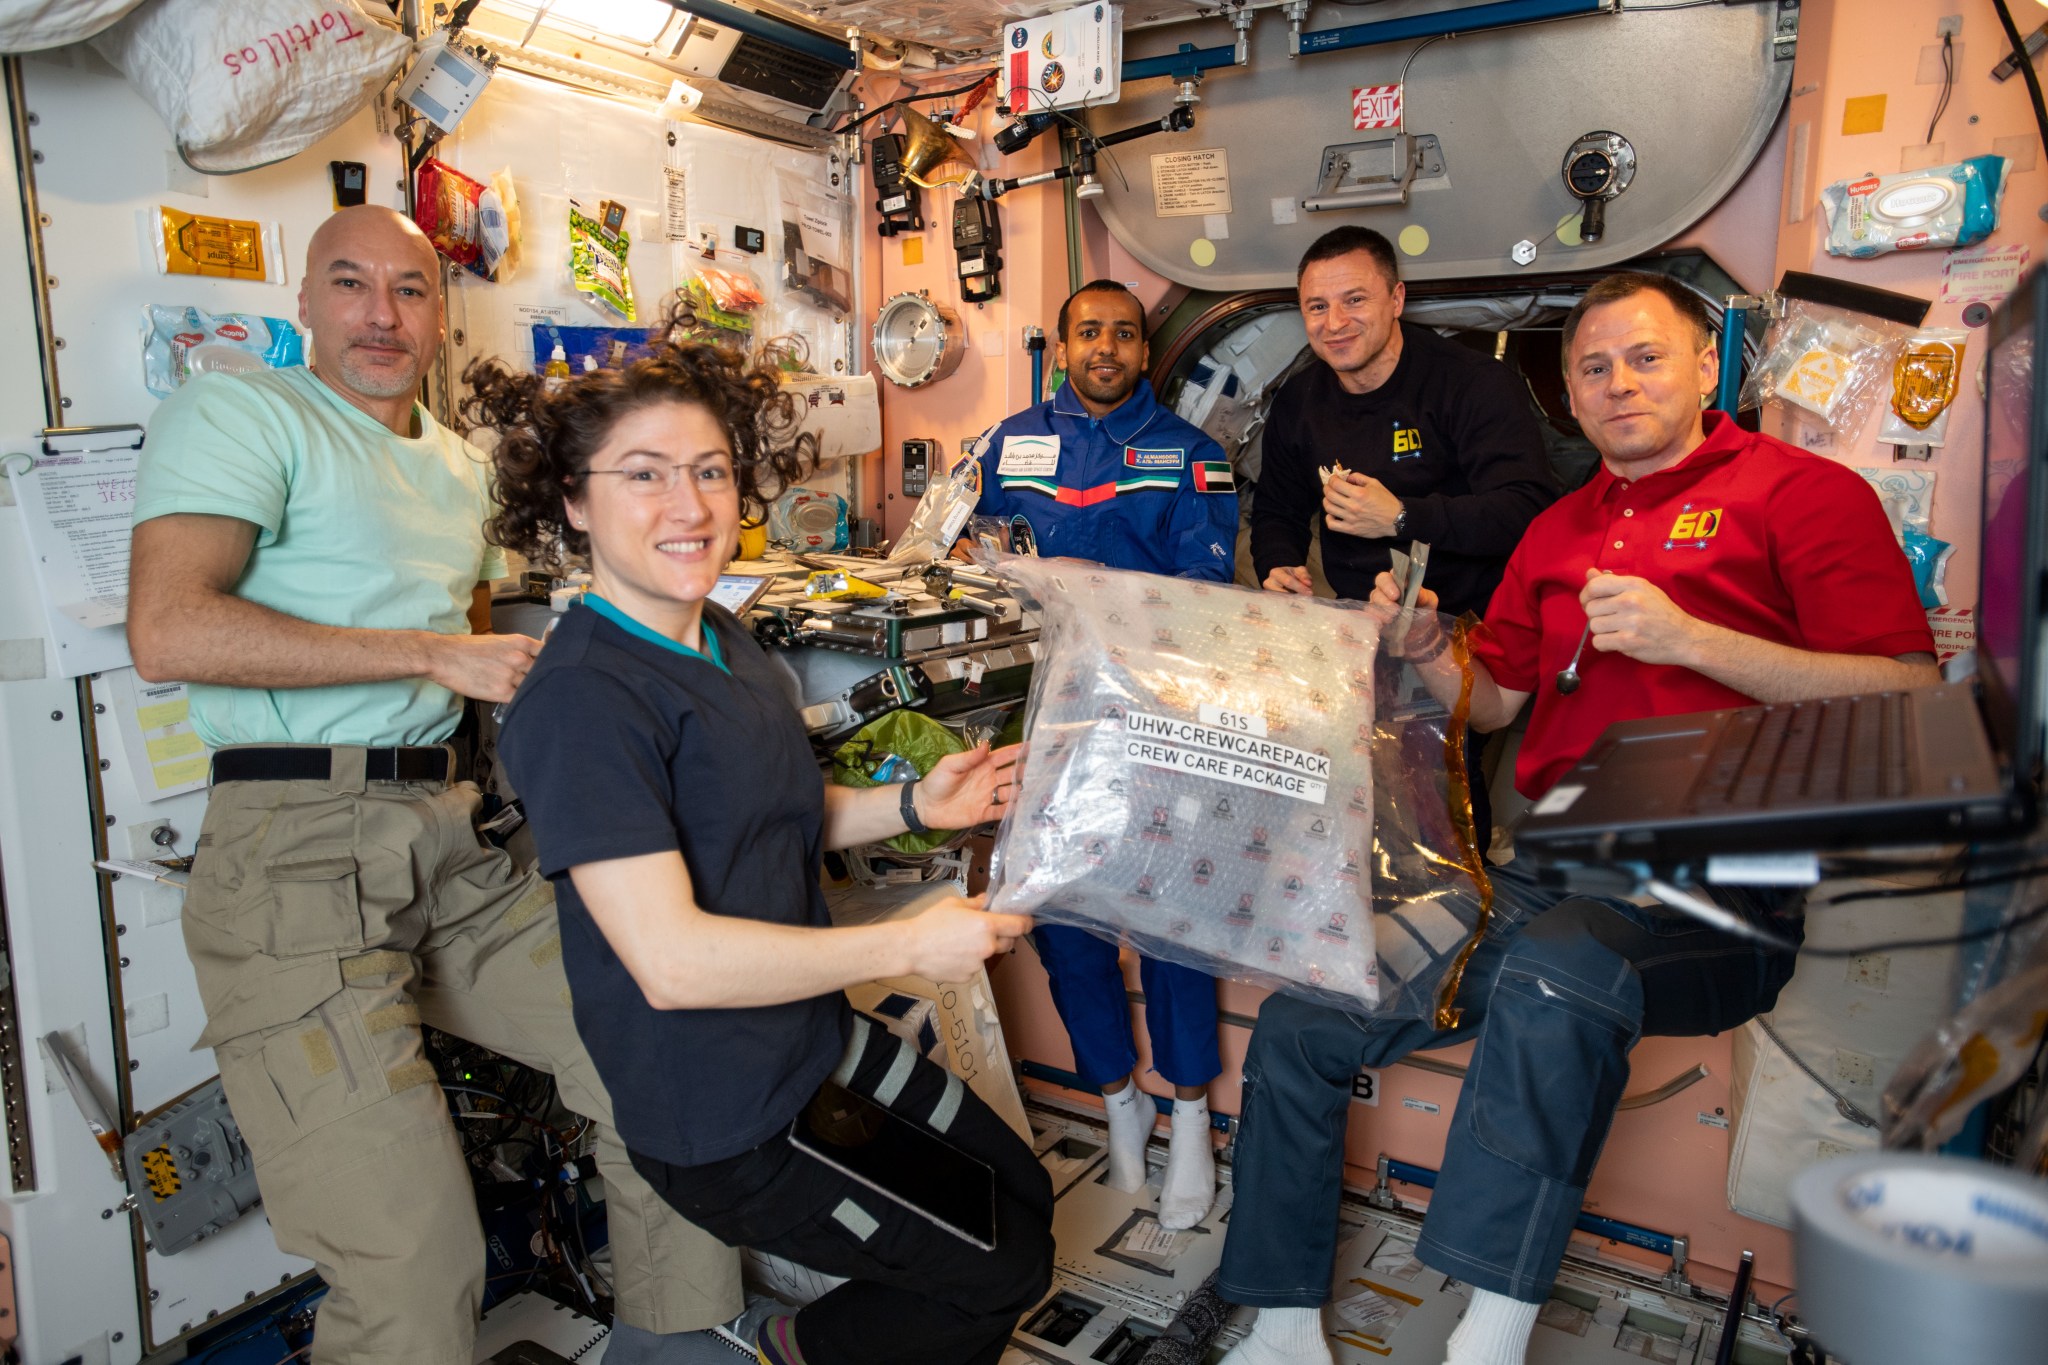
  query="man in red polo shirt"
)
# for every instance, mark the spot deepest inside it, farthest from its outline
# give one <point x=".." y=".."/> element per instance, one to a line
<point x="1706" y="567"/>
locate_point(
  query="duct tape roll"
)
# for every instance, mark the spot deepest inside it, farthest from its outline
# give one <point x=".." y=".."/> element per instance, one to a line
<point x="1905" y="1258"/>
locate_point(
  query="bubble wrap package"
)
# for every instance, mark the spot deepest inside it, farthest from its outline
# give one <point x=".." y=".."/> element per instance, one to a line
<point x="1199" y="776"/>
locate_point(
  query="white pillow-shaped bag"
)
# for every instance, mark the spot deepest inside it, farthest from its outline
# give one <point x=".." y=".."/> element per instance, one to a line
<point x="244" y="83"/>
<point x="33" y="25"/>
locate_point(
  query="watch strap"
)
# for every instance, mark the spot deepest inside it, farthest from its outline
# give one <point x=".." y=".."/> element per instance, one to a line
<point x="908" y="807"/>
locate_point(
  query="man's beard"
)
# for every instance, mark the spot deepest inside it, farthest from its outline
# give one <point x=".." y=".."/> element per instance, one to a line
<point x="380" y="382"/>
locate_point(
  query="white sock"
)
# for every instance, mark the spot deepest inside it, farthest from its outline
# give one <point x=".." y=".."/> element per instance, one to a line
<point x="1190" y="1186"/>
<point x="1283" y="1336"/>
<point x="1131" y="1115"/>
<point x="1495" y="1331"/>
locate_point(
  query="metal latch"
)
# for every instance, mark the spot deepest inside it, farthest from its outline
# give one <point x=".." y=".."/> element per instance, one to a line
<point x="1379" y="171"/>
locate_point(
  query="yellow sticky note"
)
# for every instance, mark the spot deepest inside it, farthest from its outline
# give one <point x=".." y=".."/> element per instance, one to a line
<point x="1863" y="114"/>
<point x="913" y="250"/>
<point x="174" y="746"/>
<point x="162" y="714"/>
<point x="177" y="774"/>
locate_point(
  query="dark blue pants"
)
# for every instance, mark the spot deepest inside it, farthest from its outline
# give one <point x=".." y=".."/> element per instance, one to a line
<point x="1556" y="997"/>
<point x="1088" y="990"/>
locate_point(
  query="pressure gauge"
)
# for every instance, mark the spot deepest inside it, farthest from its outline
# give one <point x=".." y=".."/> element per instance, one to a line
<point x="1598" y="167"/>
<point x="917" y="342"/>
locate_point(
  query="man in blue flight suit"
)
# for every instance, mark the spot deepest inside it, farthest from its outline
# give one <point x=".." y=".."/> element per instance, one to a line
<point x="1103" y="473"/>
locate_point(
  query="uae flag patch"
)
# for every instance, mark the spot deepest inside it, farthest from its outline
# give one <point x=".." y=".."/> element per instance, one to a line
<point x="1214" y="476"/>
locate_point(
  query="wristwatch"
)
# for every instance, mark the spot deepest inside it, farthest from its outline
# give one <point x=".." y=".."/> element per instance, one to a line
<point x="909" y="810"/>
<point x="1401" y="521"/>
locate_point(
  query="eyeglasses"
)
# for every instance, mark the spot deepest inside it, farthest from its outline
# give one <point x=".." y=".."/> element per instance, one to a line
<point x="658" y="478"/>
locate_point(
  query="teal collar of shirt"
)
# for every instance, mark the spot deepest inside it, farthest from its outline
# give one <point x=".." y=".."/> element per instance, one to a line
<point x="1125" y="422"/>
<point x="712" y="653"/>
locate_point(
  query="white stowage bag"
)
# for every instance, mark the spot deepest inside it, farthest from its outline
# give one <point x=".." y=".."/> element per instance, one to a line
<point x="33" y="25"/>
<point x="243" y="83"/>
<point x="1198" y="777"/>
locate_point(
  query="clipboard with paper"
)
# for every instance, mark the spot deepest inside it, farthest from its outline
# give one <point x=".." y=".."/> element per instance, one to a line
<point x="75" y="487"/>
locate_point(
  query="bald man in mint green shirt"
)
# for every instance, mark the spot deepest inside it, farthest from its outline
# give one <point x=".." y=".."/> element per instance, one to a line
<point x="309" y="556"/>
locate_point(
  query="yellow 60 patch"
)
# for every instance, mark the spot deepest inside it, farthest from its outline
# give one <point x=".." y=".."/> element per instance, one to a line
<point x="1696" y="525"/>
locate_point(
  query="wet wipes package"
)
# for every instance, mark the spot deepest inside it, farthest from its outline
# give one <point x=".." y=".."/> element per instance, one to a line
<point x="1199" y="778"/>
<point x="182" y="342"/>
<point x="1939" y="207"/>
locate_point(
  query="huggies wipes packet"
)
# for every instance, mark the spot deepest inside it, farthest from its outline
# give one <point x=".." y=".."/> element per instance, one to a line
<point x="182" y="342"/>
<point x="1942" y="206"/>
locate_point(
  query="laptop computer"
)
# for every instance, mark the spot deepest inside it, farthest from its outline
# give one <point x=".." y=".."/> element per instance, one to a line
<point x="1955" y="762"/>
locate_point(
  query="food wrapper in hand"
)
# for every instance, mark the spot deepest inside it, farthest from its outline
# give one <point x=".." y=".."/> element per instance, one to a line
<point x="1200" y="780"/>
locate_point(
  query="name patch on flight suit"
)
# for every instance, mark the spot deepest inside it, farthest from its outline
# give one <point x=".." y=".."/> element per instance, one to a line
<point x="1029" y="456"/>
<point x="1135" y="458"/>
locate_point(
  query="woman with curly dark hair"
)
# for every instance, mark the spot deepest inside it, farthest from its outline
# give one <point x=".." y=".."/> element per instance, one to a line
<point x="681" y="817"/>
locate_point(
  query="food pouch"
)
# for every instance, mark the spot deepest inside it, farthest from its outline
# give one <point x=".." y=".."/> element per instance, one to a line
<point x="1925" y="379"/>
<point x="447" y="205"/>
<point x="1832" y="362"/>
<point x="597" y="262"/>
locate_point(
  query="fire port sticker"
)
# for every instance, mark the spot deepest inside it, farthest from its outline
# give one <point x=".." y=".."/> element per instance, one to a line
<point x="1229" y="756"/>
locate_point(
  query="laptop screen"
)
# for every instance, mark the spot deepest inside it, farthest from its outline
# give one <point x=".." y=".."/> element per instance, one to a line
<point x="2009" y="591"/>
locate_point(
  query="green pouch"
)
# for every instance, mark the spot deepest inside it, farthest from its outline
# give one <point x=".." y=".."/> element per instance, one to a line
<point x="910" y="736"/>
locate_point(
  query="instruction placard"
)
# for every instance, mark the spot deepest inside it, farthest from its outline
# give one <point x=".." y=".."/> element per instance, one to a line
<point x="675" y="205"/>
<point x="1190" y="184"/>
<point x="155" y="721"/>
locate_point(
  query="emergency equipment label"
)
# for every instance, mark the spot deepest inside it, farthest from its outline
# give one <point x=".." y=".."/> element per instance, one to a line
<point x="1228" y="755"/>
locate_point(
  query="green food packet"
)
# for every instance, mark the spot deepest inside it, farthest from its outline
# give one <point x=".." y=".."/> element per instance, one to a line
<point x="597" y="261"/>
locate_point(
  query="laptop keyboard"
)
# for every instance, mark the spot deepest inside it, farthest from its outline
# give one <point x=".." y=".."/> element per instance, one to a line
<point x="1838" y="749"/>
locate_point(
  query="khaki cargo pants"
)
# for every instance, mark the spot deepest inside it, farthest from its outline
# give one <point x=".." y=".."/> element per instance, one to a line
<point x="327" y="921"/>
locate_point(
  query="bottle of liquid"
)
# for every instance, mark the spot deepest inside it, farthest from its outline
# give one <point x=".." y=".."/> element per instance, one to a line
<point x="556" y="370"/>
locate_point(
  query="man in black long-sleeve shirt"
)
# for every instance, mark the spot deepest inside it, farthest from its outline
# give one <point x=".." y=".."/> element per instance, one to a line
<point x="1427" y="441"/>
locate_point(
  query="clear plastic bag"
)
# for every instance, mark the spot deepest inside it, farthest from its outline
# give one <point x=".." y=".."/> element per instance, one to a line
<point x="1831" y="362"/>
<point x="941" y="515"/>
<point x="1239" y="781"/>
<point x="1981" y="1050"/>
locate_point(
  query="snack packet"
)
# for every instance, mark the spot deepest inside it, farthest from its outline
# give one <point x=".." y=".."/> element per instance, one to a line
<point x="447" y="205"/>
<point x="597" y="261"/>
